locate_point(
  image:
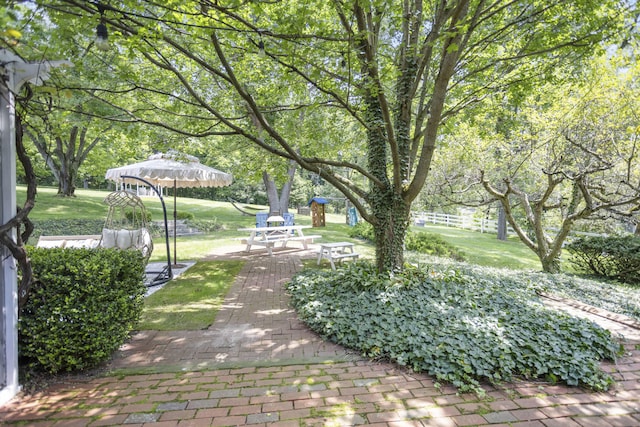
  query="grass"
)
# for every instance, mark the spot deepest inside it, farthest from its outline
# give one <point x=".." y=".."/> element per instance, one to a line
<point x="191" y="301"/>
<point x="485" y="249"/>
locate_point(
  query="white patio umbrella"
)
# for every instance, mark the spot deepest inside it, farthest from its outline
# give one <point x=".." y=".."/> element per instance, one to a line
<point x="171" y="169"/>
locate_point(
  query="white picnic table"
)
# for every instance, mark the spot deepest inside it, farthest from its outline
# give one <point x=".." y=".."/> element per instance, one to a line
<point x="269" y="236"/>
<point x="336" y="251"/>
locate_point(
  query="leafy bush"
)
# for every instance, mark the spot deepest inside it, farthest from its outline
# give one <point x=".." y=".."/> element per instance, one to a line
<point x="205" y="225"/>
<point x="184" y="215"/>
<point x="615" y="258"/>
<point x="432" y="244"/>
<point x="135" y="217"/>
<point x="426" y="243"/>
<point x="362" y="230"/>
<point x="458" y="326"/>
<point x="81" y="307"/>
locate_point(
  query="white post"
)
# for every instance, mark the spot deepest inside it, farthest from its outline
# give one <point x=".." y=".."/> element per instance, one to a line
<point x="14" y="72"/>
<point x="8" y="276"/>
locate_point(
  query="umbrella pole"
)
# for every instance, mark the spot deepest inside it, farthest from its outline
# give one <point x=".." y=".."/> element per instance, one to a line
<point x="175" y="225"/>
<point x="169" y="274"/>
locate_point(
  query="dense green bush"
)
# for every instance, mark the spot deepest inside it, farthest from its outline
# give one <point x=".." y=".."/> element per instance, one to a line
<point x="432" y="244"/>
<point x="362" y="230"/>
<point x="615" y="258"/>
<point x="458" y="325"/>
<point x="81" y="308"/>
<point x="184" y="215"/>
<point x="205" y="225"/>
<point x="426" y="243"/>
<point x="137" y="215"/>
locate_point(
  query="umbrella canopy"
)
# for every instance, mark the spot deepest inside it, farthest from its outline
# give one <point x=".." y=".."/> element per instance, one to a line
<point x="172" y="169"/>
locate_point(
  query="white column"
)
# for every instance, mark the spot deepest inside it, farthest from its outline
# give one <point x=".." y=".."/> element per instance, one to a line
<point x="8" y="276"/>
<point x="14" y="72"/>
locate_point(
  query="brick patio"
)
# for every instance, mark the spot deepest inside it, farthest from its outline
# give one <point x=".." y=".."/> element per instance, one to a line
<point x="259" y="365"/>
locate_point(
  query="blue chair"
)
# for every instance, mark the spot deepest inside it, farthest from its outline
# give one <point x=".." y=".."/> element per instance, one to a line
<point x="288" y="218"/>
<point x="261" y="219"/>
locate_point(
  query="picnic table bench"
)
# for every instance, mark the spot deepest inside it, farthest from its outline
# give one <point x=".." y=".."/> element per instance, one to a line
<point x="269" y="236"/>
<point x="336" y="251"/>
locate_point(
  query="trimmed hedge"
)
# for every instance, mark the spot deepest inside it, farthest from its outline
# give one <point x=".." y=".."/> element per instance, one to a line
<point x="613" y="258"/>
<point x="81" y="308"/>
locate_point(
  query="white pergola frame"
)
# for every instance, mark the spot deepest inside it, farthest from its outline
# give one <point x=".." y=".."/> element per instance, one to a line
<point x="14" y="73"/>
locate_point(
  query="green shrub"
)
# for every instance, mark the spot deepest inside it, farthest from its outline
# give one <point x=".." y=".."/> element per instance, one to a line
<point x="426" y="243"/>
<point x="461" y="326"/>
<point x="184" y="215"/>
<point x="614" y="258"/>
<point x="362" y="230"/>
<point x="81" y="308"/>
<point x="205" y="225"/>
<point x="135" y="217"/>
<point x="432" y="244"/>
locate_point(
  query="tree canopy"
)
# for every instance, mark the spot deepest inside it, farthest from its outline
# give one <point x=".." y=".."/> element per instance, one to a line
<point x="375" y="79"/>
<point x="564" y="154"/>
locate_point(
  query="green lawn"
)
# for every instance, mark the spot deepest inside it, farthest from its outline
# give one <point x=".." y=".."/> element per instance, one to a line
<point x="485" y="249"/>
<point x="191" y="301"/>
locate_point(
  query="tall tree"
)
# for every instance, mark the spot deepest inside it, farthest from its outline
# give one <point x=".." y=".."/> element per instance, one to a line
<point x="64" y="143"/>
<point x="394" y="70"/>
<point x="569" y="157"/>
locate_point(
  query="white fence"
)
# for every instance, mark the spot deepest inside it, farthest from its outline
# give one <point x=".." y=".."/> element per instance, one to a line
<point x="476" y="224"/>
<point x="458" y="221"/>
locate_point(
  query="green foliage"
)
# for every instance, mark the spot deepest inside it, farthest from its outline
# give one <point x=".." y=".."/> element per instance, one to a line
<point x="613" y="297"/>
<point x="81" y="308"/>
<point x="614" y="258"/>
<point x="432" y="244"/>
<point x="461" y="326"/>
<point x="135" y="217"/>
<point x="362" y="230"/>
<point x="425" y="243"/>
<point x="184" y="215"/>
<point x="205" y="225"/>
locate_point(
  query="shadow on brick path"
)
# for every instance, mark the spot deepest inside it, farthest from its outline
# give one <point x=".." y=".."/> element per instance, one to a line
<point x="254" y="324"/>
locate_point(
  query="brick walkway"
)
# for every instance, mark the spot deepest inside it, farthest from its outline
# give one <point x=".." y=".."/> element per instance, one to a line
<point x="258" y="365"/>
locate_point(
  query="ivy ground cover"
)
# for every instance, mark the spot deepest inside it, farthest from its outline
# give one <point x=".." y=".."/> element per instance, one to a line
<point x="455" y="324"/>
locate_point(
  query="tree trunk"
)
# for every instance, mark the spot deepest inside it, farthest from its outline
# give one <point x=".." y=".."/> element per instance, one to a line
<point x="272" y="193"/>
<point x="279" y="205"/>
<point x="502" y="224"/>
<point x="392" y="223"/>
<point x="550" y="265"/>
<point x="67" y="182"/>
<point x="65" y="159"/>
<point x="390" y="212"/>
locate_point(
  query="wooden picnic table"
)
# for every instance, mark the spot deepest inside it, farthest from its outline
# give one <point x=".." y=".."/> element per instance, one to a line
<point x="269" y="236"/>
